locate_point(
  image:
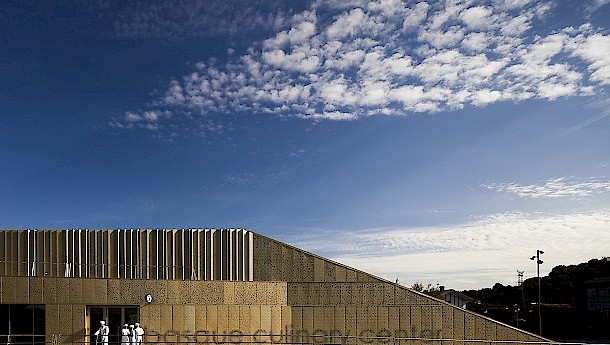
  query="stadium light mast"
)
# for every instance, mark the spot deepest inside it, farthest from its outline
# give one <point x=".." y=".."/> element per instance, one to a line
<point x="538" y="263"/>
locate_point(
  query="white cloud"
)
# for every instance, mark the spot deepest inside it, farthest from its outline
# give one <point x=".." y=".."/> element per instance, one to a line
<point x="304" y="28"/>
<point x="132" y="117"/>
<point x="477" y="17"/>
<point x="595" y="5"/>
<point x="448" y="12"/>
<point x="511" y="4"/>
<point x="483" y="97"/>
<point x="334" y="115"/>
<point x="594" y="49"/>
<point x="552" y="90"/>
<point x="474" y="254"/>
<point x="347" y="24"/>
<point x="387" y="7"/>
<point x="475" y="41"/>
<point x="297" y="61"/>
<point x="517" y="25"/>
<point x="345" y="60"/>
<point x="385" y="57"/>
<point x="147" y="119"/>
<point x="554" y="188"/>
<point x="543" y="50"/>
<point x="415" y="16"/>
<point x="442" y="39"/>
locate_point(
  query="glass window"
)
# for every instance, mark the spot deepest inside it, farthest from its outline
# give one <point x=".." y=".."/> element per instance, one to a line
<point x="115" y="317"/>
<point x="96" y="314"/>
<point x="22" y="319"/>
<point x="23" y="324"/>
<point x="131" y="315"/>
<point x="115" y="321"/>
<point x="4" y="309"/>
<point x="39" y="319"/>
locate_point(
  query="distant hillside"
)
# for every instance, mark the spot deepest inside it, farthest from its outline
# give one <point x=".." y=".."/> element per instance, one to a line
<point x="565" y="312"/>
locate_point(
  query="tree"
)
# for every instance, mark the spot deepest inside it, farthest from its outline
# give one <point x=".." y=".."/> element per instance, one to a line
<point x="418" y="286"/>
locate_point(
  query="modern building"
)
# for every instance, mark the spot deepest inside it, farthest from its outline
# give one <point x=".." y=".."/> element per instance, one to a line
<point x="213" y="286"/>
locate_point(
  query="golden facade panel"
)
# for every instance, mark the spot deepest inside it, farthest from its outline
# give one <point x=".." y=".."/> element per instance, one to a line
<point x="220" y="285"/>
<point x="265" y="318"/>
<point x="479" y="328"/>
<point x="448" y="322"/>
<point x="491" y="330"/>
<point x="470" y="321"/>
<point x="255" y="318"/>
<point x="177" y="317"/>
<point x="78" y="321"/>
<point x="459" y="324"/>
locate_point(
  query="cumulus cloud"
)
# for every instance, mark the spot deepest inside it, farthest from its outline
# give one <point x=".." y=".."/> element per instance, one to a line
<point x="482" y="251"/>
<point x="561" y="187"/>
<point x="146" y="119"/>
<point x="477" y="17"/>
<point x="595" y="50"/>
<point x="340" y="61"/>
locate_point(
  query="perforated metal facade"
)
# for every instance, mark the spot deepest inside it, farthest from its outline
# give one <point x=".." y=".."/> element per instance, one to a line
<point x="222" y="286"/>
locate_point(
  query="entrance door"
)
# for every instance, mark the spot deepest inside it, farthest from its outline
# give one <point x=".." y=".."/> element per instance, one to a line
<point x="115" y="322"/>
<point x="94" y="316"/>
<point x="115" y="317"/>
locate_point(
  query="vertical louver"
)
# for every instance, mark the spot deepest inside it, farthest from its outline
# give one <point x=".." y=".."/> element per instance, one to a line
<point x="186" y="254"/>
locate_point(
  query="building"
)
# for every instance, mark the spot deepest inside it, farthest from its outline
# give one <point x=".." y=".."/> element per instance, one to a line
<point x="451" y="296"/>
<point x="212" y="286"/>
<point x="598" y="295"/>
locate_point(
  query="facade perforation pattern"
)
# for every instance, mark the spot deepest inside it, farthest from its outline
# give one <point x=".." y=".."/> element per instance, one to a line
<point x="214" y="281"/>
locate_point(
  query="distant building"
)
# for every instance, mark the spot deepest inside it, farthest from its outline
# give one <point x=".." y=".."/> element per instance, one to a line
<point x="598" y="294"/>
<point x="213" y="286"/>
<point x="456" y="298"/>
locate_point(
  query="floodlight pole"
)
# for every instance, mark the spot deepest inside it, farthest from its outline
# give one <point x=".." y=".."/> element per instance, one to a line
<point x="538" y="263"/>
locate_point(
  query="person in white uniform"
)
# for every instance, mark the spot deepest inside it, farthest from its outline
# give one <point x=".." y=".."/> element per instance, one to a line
<point x="132" y="334"/>
<point x="125" y="335"/>
<point x="102" y="333"/>
<point x="139" y="334"/>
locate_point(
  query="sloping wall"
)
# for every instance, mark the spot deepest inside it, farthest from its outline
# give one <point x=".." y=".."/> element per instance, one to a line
<point x="277" y="261"/>
<point x="340" y="304"/>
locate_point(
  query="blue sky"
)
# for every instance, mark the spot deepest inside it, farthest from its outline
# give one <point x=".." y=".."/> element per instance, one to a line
<point x="441" y="142"/>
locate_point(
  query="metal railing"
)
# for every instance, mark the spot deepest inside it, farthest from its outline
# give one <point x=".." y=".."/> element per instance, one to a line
<point x="245" y="339"/>
<point x="100" y="270"/>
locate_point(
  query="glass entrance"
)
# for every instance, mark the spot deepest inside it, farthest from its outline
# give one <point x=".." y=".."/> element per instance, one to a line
<point x="115" y="317"/>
